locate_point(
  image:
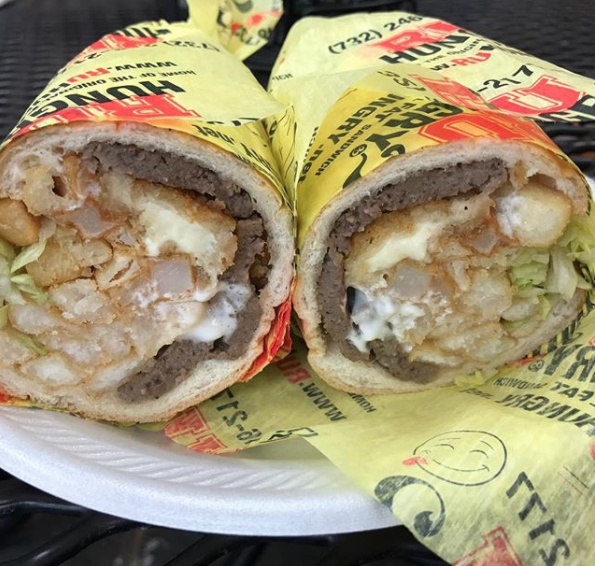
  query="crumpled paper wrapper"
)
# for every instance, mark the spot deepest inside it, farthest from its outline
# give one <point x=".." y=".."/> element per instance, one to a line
<point x="491" y="474"/>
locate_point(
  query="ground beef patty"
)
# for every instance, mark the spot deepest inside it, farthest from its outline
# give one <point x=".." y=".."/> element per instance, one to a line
<point x="174" y="363"/>
<point x="332" y="296"/>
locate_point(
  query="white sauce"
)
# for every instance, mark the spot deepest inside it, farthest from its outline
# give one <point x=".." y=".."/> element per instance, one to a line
<point x="221" y="314"/>
<point x="509" y="213"/>
<point x="380" y="318"/>
<point x="163" y="225"/>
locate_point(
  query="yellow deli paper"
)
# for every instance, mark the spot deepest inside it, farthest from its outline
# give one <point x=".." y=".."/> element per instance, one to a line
<point x="363" y="88"/>
<point x="493" y="474"/>
<point x="241" y="27"/>
<point x="166" y="75"/>
<point x="172" y="76"/>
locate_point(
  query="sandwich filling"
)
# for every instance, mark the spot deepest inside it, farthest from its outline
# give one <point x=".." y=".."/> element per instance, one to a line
<point x="451" y="269"/>
<point x="122" y="269"/>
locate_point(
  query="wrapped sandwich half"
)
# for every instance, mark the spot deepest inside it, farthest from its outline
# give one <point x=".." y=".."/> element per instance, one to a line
<point x="444" y="262"/>
<point x="140" y="268"/>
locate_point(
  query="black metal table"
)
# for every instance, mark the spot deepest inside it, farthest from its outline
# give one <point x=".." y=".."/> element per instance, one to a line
<point x="39" y="36"/>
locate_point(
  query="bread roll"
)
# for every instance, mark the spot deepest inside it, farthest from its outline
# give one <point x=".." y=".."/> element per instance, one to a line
<point x="141" y="269"/>
<point x="440" y="263"/>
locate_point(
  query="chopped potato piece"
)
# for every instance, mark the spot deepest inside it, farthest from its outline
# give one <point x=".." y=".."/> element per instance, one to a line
<point x="121" y="269"/>
<point x="47" y="193"/>
<point x="34" y="319"/>
<point x="171" y="221"/>
<point x="17" y="226"/>
<point x="51" y="369"/>
<point x="88" y="219"/>
<point x="65" y="257"/>
<point x="12" y="351"/>
<point x="55" y="265"/>
<point x="80" y="301"/>
<point x="535" y="216"/>
<point x="489" y="296"/>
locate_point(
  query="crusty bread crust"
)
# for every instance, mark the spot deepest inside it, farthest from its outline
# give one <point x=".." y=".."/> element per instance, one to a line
<point x="369" y="377"/>
<point x="211" y="376"/>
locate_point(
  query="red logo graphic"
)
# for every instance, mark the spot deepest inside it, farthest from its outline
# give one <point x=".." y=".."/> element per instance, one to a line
<point x="276" y="342"/>
<point x="430" y="33"/>
<point x="209" y="444"/>
<point x="4" y="397"/>
<point x="192" y="423"/>
<point x="292" y="369"/>
<point x="547" y="94"/>
<point x="414" y="460"/>
<point x="115" y="41"/>
<point x="133" y="108"/>
<point x="89" y="74"/>
<point x="453" y="92"/>
<point x="592" y="449"/>
<point x="256" y="19"/>
<point x="484" y="124"/>
<point x="525" y="361"/>
<point x="496" y="550"/>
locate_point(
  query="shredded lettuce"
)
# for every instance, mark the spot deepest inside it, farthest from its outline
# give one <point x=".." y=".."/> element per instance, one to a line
<point x="14" y="282"/>
<point x="582" y="284"/>
<point x="562" y="277"/>
<point x="529" y="255"/>
<point x="534" y="273"/>
<point x="537" y="273"/>
<point x="3" y="316"/>
<point x="546" y="274"/>
<point x="30" y="343"/>
<point x="512" y="325"/>
<point x="528" y="272"/>
<point x="6" y="250"/>
<point x="8" y="291"/>
<point x="26" y="285"/>
<point x="28" y="255"/>
<point x="544" y="306"/>
<point x="579" y="239"/>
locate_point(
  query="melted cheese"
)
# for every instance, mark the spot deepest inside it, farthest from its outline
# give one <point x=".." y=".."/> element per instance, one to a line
<point x="400" y="235"/>
<point x="164" y="225"/>
<point x="398" y="246"/>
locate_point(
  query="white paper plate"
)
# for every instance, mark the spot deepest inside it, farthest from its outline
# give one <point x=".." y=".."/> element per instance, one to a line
<point x="282" y="489"/>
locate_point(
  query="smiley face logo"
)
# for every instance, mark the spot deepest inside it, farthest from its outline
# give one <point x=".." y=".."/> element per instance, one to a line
<point x="461" y="457"/>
